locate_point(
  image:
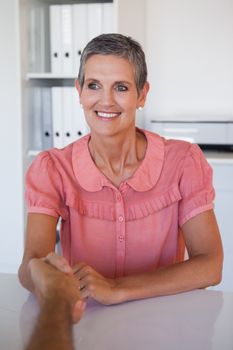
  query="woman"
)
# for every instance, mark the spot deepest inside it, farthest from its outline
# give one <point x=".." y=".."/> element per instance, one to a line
<point x="124" y="194"/>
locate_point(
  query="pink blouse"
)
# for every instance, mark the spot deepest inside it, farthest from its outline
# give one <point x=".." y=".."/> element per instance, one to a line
<point x="125" y="230"/>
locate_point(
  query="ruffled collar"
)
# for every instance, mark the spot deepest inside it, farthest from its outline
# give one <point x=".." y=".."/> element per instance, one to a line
<point x="145" y="177"/>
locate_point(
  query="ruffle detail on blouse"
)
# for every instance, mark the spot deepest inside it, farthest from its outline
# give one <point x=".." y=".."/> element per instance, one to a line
<point x="97" y="210"/>
<point x="104" y="211"/>
<point x="149" y="207"/>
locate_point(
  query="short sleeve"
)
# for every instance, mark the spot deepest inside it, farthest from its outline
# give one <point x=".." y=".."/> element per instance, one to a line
<point x="44" y="187"/>
<point x="196" y="186"/>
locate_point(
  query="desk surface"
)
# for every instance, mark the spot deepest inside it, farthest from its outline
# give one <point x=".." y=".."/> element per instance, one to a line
<point x="200" y="320"/>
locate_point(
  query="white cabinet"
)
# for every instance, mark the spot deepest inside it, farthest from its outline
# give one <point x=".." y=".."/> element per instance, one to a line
<point x="210" y="132"/>
<point x="58" y="33"/>
<point x="223" y="182"/>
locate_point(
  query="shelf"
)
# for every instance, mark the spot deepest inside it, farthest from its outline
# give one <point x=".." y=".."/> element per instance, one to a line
<point x="33" y="153"/>
<point x="43" y="76"/>
<point x="61" y="2"/>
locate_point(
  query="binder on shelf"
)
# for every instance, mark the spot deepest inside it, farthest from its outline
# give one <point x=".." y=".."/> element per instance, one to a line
<point x="80" y="35"/>
<point x="37" y="44"/>
<point x="66" y="38"/>
<point x="41" y="39"/>
<point x="33" y="51"/>
<point x="79" y="123"/>
<point x="58" y="140"/>
<point x="47" y="123"/>
<point x="94" y="20"/>
<point x="35" y="122"/>
<point x="55" y="39"/>
<point x="67" y="115"/>
<point x="108" y="23"/>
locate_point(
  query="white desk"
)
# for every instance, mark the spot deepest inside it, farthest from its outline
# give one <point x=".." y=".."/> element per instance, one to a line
<point x="200" y="320"/>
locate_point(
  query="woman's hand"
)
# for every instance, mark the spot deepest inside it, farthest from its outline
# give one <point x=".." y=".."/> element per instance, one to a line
<point x="94" y="285"/>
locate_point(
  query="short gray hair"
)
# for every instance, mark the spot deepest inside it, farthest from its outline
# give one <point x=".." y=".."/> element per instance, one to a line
<point x="118" y="45"/>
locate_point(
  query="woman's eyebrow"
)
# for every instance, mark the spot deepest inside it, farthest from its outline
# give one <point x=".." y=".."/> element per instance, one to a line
<point x="123" y="82"/>
<point x="115" y="82"/>
<point x="92" y="80"/>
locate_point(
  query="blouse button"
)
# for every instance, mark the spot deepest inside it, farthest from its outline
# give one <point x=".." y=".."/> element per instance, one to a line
<point x="121" y="218"/>
<point x="121" y="238"/>
<point x="118" y="197"/>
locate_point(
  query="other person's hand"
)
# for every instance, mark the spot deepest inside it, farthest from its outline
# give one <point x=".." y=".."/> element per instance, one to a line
<point x="50" y="282"/>
<point x="59" y="262"/>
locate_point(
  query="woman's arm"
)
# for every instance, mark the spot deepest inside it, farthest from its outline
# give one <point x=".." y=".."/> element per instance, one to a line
<point x="40" y="240"/>
<point x="202" y="269"/>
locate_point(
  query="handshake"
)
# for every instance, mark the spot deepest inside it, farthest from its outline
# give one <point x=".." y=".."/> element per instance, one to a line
<point x="54" y="279"/>
<point x="58" y="291"/>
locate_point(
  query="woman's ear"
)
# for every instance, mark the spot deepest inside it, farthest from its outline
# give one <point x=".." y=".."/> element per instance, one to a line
<point x="78" y="87"/>
<point x="143" y="93"/>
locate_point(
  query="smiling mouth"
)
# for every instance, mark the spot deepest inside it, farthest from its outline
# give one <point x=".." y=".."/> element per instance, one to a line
<point x="107" y="115"/>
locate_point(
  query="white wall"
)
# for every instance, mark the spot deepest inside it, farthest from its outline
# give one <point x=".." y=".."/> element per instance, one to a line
<point x="189" y="46"/>
<point x="11" y="203"/>
<point x="130" y="21"/>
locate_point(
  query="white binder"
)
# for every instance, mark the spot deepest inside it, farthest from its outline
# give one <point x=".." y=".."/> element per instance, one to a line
<point x="37" y="40"/>
<point x="35" y="119"/>
<point x="58" y="140"/>
<point x="94" y="20"/>
<point x="67" y="114"/>
<point x="47" y="127"/>
<point x="55" y="39"/>
<point x="80" y="126"/>
<point x="80" y="35"/>
<point x="41" y="39"/>
<point x="66" y="38"/>
<point x="108" y="23"/>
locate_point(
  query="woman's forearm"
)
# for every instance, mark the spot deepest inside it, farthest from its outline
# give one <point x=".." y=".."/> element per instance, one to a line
<point x="25" y="277"/>
<point x="198" y="272"/>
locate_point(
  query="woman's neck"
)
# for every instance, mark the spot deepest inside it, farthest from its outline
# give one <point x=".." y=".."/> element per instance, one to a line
<point x="118" y="157"/>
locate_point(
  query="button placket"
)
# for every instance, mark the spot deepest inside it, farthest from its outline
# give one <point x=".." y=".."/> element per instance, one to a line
<point x="120" y="235"/>
<point x="118" y="197"/>
<point x="121" y="218"/>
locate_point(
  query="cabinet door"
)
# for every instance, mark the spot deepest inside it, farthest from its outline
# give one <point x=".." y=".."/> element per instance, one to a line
<point x="223" y="182"/>
<point x="201" y="133"/>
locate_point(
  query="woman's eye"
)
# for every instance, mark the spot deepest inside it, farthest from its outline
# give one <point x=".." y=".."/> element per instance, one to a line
<point x="121" y="88"/>
<point x="93" y="86"/>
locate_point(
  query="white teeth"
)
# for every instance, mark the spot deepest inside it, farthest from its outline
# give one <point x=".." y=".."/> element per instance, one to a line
<point x="107" y="115"/>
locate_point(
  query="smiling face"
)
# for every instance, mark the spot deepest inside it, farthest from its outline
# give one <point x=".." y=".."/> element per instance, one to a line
<point x="109" y="95"/>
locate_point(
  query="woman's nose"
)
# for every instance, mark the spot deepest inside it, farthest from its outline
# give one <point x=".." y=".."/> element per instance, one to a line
<point x="107" y="97"/>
